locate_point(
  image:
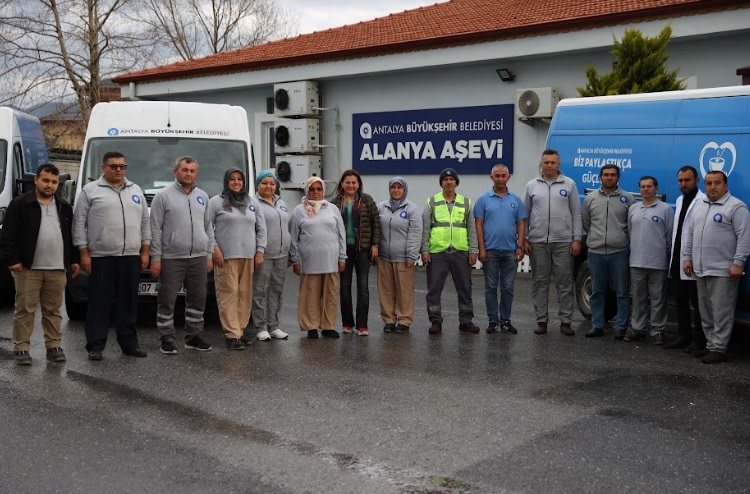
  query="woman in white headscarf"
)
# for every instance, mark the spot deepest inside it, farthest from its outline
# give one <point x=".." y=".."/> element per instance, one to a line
<point x="318" y="254"/>
<point x="400" y="237"/>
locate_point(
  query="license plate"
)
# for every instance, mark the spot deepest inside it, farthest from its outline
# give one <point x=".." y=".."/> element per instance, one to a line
<point x="151" y="288"/>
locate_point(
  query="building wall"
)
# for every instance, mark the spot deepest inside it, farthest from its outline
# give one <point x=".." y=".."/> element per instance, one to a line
<point x="710" y="61"/>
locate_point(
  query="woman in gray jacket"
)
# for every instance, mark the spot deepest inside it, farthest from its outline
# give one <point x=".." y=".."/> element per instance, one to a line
<point x="318" y="253"/>
<point x="268" y="279"/>
<point x="240" y="240"/>
<point x="400" y="237"/>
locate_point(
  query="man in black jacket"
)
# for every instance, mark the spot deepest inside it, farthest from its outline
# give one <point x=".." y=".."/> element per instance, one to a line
<point x="37" y="247"/>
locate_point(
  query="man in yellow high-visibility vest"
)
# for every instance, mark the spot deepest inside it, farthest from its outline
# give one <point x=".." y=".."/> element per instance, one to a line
<point x="449" y="246"/>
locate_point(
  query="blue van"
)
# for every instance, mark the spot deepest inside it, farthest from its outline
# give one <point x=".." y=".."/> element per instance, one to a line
<point x="655" y="134"/>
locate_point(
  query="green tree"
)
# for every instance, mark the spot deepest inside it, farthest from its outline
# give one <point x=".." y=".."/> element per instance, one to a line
<point x="640" y="67"/>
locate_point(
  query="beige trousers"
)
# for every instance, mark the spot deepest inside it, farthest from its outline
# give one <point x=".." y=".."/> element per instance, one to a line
<point x="318" y="301"/>
<point x="396" y="284"/>
<point x="36" y="287"/>
<point x="234" y="295"/>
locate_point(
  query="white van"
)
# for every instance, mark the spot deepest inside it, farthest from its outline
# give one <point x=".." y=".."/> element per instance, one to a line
<point x="152" y="135"/>
<point x="22" y="150"/>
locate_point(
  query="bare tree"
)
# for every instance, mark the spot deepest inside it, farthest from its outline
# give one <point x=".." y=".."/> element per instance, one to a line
<point x="52" y="49"/>
<point x="196" y="28"/>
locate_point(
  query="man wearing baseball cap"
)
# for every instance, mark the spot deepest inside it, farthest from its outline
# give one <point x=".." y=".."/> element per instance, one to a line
<point x="449" y="246"/>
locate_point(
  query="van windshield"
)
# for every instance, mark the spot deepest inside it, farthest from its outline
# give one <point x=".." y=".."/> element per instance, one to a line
<point x="151" y="160"/>
<point x="3" y="162"/>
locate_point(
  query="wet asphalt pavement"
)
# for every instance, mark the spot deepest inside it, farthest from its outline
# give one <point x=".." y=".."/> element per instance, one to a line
<point x="383" y="413"/>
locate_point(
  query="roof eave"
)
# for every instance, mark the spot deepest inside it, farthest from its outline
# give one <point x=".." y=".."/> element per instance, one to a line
<point x="436" y="42"/>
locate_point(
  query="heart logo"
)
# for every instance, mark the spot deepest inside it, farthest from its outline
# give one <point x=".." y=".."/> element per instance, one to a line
<point x="718" y="158"/>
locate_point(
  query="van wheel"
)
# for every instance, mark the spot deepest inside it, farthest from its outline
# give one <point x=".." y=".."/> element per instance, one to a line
<point x="583" y="295"/>
<point x="76" y="310"/>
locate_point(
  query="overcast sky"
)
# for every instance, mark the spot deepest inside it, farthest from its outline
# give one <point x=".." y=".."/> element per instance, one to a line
<point x="318" y="15"/>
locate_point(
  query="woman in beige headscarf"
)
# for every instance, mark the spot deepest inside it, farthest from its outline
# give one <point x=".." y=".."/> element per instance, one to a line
<point x="318" y="254"/>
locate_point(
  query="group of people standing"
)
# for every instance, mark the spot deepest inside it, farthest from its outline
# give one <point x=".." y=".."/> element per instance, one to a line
<point x="251" y="240"/>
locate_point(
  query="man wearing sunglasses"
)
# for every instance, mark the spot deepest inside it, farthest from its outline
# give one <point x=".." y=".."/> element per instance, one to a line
<point x="112" y="231"/>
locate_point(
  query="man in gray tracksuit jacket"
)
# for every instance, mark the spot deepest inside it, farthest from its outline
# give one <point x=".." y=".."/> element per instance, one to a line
<point x="716" y="248"/>
<point x="553" y="239"/>
<point x="111" y="231"/>
<point x="605" y="218"/>
<point x="181" y="238"/>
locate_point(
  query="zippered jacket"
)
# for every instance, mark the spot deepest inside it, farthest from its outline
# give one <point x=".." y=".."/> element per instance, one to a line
<point x="605" y="218"/>
<point x="554" y="210"/>
<point x="718" y="236"/>
<point x="20" y="232"/>
<point x="111" y="221"/>
<point x="180" y="224"/>
<point x="400" y="232"/>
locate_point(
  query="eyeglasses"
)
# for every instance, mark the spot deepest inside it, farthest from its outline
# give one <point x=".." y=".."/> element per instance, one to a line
<point x="117" y="167"/>
<point x="315" y="189"/>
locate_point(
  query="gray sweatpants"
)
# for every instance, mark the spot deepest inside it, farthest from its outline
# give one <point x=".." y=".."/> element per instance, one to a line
<point x="547" y="259"/>
<point x="717" y="298"/>
<point x="268" y="287"/>
<point x="457" y="265"/>
<point x="649" y="288"/>
<point x="174" y="273"/>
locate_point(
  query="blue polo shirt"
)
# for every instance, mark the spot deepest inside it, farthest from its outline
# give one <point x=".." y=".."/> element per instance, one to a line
<point x="500" y="215"/>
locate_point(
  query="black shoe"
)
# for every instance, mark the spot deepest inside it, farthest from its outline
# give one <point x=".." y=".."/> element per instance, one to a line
<point x="594" y="333"/>
<point x="330" y="333"/>
<point x="677" y="344"/>
<point x="507" y="327"/>
<point x="135" y="352"/>
<point x="620" y="334"/>
<point x="312" y="334"/>
<point x="389" y="327"/>
<point x="634" y="336"/>
<point x="95" y="355"/>
<point x="235" y="344"/>
<point x="694" y="347"/>
<point x="246" y="340"/>
<point x="168" y="347"/>
<point x="469" y="327"/>
<point x="22" y="358"/>
<point x="436" y="328"/>
<point x="701" y="352"/>
<point x="491" y="328"/>
<point x="713" y="357"/>
<point x="401" y="329"/>
<point x="659" y="339"/>
<point x="55" y="354"/>
<point x="196" y="343"/>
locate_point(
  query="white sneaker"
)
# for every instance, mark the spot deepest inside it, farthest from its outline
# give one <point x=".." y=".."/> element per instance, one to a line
<point x="278" y="334"/>
<point x="263" y="335"/>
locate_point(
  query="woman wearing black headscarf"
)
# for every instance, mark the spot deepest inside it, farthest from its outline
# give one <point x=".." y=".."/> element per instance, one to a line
<point x="240" y="240"/>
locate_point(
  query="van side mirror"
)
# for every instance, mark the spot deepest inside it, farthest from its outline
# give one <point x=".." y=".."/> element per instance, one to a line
<point x="24" y="184"/>
<point x="66" y="188"/>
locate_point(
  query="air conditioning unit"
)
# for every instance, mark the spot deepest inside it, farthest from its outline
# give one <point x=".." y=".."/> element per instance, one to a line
<point x="296" y="99"/>
<point x="538" y="102"/>
<point x="293" y="171"/>
<point x="294" y="136"/>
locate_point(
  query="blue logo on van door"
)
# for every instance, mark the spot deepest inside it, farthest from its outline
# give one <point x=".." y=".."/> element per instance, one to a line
<point x="201" y="201"/>
<point x="136" y="199"/>
<point x="564" y="193"/>
<point x="718" y="218"/>
<point x="113" y="132"/>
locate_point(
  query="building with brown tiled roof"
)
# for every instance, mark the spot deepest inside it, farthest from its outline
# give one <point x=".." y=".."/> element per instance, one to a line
<point x="439" y="64"/>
